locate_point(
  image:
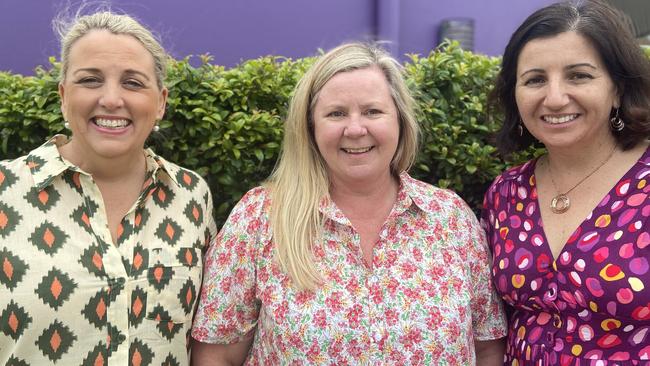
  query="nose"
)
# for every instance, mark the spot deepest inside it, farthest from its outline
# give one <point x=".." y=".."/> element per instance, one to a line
<point x="355" y="127"/>
<point x="111" y="97"/>
<point x="556" y="95"/>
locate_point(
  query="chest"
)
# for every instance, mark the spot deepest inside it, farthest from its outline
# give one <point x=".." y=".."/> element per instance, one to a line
<point x="417" y="292"/>
<point x="602" y="260"/>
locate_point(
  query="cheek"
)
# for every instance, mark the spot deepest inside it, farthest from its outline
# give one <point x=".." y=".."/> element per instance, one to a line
<point x="326" y="135"/>
<point x="524" y="104"/>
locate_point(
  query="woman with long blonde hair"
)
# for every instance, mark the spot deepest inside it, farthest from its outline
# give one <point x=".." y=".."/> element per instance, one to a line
<point x="342" y="257"/>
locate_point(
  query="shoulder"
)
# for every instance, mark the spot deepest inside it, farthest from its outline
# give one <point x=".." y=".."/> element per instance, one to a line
<point x="254" y="205"/>
<point x="430" y="198"/>
<point x="515" y="175"/>
<point x="42" y="161"/>
<point x="14" y="164"/>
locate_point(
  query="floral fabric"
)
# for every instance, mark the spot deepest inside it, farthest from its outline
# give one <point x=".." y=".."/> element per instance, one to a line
<point x="425" y="300"/>
<point x="68" y="295"/>
<point x="591" y="305"/>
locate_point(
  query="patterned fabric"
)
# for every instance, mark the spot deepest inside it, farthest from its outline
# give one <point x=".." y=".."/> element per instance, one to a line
<point x="591" y="303"/>
<point x="426" y="299"/>
<point x="68" y="295"/>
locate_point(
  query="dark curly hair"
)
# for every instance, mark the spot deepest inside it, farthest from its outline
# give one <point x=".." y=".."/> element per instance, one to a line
<point x="610" y="32"/>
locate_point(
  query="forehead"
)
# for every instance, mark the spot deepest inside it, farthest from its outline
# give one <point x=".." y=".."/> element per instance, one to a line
<point x="367" y="81"/>
<point x="100" y="48"/>
<point x="561" y="49"/>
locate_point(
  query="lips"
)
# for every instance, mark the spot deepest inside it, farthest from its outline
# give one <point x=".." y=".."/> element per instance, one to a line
<point x="559" y="119"/>
<point x="111" y="123"/>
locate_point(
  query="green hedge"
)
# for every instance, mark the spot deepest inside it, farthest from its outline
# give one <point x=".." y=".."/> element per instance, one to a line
<point x="227" y="123"/>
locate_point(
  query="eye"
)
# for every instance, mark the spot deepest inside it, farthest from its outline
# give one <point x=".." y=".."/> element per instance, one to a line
<point x="133" y="84"/>
<point x="580" y="76"/>
<point x="335" y="114"/>
<point x="89" y="81"/>
<point x="373" y="112"/>
<point x="535" y="80"/>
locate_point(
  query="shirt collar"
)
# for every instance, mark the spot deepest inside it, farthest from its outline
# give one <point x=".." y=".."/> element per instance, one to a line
<point x="45" y="163"/>
<point x="157" y="164"/>
<point x="411" y="193"/>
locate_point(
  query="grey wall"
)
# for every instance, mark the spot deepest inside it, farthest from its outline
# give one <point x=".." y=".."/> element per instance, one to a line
<point x="235" y="30"/>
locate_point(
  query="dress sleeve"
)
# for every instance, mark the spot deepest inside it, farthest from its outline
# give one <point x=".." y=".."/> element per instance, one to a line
<point x="488" y="317"/>
<point x="228" y="308"/>
<point x="488" y="212"/>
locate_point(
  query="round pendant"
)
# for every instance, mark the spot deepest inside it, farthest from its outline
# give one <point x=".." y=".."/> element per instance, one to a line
<point x="560" y="203"/>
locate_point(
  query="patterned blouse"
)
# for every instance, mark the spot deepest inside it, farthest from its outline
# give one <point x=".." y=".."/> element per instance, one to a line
<point x="426" y="299"/>
<point x="68" y="295"/>
<point x="590" y="306"/>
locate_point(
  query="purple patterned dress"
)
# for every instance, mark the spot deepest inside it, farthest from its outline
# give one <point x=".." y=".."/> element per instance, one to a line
<point x="590" y="306"/>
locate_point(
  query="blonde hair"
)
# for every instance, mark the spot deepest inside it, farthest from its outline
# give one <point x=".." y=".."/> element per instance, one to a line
<point x="300" y="180"/>
<point x="71" y="30"/>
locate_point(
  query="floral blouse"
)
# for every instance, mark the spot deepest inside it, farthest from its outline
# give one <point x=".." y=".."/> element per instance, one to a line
<point x="425" y="300"/>
<point x="68" y="294"/>
<point x="590" y="306"/>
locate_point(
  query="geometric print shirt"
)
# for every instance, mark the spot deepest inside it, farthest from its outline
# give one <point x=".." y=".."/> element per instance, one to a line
<point x="68" y="295"/>
<point x="424" y="301"/>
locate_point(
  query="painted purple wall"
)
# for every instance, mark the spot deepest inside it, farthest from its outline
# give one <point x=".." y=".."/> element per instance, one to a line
<point x="235" y="30"/>
<point x="494" y="22"/>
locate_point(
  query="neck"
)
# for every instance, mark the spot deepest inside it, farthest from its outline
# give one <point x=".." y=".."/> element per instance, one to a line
<point x="580" y="161"/>
<point x="365" y="197"/>
<point x="106" y="169"/>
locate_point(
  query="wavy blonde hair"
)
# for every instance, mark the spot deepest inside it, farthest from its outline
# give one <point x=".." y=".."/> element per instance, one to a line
<point x="299" y="180"/>
<point x="71" y="30"/>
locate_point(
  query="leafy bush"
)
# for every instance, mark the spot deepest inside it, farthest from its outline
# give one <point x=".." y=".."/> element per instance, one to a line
<point x="226" y="124"/>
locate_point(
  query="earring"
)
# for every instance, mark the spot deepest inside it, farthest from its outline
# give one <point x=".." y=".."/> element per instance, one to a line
<point x="66" y="124"/>
<point x="156" y="128"/>
<point x="520" y="129"/>
<point x="616" y="122"/>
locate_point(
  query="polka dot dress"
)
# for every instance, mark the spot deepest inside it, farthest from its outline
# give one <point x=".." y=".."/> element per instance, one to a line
<point x="590" y="306"/>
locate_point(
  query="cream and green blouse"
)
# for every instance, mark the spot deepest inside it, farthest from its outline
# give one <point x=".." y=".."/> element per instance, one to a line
<point x="68" y="295"/>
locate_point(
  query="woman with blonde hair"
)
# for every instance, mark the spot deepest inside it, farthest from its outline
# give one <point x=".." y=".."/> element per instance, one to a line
<point x="101" y="240"/>
<point x="342" y="257"/>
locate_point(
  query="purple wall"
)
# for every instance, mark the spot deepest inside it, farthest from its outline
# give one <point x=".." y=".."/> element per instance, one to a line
<point x="235" y="30"/>
<point x="494" y="22"/>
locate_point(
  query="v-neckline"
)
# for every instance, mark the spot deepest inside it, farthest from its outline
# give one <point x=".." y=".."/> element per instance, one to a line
<point x="589" y="216"/>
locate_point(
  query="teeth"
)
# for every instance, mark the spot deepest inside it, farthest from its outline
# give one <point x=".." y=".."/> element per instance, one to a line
<point x="111" y="123"/>
<point x="558" y="120"/>
<point x="358" y="150"/>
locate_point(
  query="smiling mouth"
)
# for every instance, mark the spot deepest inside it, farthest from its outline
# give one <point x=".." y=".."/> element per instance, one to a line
<point x="111" y="123"/>
<point x="357" y="150"/>
<point x="556" y="120"/>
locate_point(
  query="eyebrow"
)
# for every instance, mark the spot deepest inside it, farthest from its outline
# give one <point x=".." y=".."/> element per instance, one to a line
<point x="570" y="67"/>
<point x="93" y="70"/>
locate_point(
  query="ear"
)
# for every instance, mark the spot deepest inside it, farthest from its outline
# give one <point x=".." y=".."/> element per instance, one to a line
<point x="62" y="96"/>
<point x="162" y="103"/>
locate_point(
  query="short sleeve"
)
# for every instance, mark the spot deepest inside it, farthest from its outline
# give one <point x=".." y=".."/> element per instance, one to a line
<point x="211" y="225"/>
<point x="228" y="308"/>
<point x="488" y="317"/>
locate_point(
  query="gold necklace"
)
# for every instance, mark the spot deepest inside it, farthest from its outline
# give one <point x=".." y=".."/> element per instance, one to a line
<point x="561" y="202"/>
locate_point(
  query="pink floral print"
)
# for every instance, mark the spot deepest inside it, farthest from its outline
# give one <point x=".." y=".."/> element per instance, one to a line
<point x="425" y="300"/>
